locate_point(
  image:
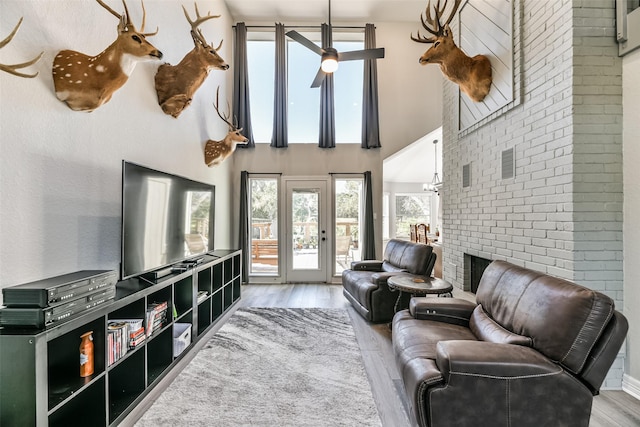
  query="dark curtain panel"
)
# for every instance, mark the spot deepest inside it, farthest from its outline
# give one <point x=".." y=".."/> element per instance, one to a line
<point x="279" y="137"/>
<point x="241" y="105"/>
<point x="370" y="122"/>
<point x="245" y="243"/>
<point x="369" y="240"/>
<point x="327" y="115"/>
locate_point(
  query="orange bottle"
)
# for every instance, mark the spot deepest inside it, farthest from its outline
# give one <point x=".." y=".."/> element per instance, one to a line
<point x="86" y="354"/>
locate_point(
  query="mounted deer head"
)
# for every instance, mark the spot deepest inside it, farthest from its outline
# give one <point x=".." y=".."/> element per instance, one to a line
<point x="85" y="82"/>
<point x="215" y="152"/>
<point x="473" y="75"/>
<point x="12" y="69"/>
<point x="176" y="84"/>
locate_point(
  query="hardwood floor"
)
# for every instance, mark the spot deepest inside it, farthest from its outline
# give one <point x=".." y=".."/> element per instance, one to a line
<point x="610" y="408"/>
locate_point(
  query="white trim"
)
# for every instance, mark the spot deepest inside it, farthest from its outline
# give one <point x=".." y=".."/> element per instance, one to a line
<point x="631" y="386"/>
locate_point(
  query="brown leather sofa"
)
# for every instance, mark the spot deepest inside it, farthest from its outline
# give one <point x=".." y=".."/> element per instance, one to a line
<point x="365" y="283"/>
<point x="533" y="351"/>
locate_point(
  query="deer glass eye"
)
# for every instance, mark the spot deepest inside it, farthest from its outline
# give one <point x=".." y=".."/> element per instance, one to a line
<point x="136" y="38"/>
<point x="436" y="44"/>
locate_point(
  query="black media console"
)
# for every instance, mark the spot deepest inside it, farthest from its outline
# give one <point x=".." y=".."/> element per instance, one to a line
<point x="41" y="384"/>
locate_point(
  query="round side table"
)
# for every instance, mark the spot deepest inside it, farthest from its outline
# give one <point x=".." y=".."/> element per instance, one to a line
<point x="418" y="286"/>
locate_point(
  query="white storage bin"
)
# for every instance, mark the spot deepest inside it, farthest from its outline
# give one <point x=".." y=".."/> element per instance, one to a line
<point x="181" y="337"/>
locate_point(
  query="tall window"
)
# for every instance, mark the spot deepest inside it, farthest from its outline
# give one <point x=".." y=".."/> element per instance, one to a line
<point x="303" y="101"/>
<point x="348" y="221"/>
<point x="261" y="58"/>
<point x="411" y="209"/>
<point x="264" y="226"/>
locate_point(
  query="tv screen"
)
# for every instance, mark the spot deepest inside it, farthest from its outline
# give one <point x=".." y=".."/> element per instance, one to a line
<point x="166" y="219"/>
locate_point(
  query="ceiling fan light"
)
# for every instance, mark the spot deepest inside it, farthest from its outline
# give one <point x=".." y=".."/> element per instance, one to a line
<point x="329" y="60"/>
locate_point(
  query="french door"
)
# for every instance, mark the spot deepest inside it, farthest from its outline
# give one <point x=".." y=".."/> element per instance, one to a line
<point x="307" y="234"/>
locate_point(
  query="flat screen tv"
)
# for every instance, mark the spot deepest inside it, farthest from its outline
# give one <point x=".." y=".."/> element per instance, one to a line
<point x="166" y="219"/>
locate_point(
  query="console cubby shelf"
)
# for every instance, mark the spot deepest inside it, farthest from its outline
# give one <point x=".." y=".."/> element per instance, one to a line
<point x="40" y="371"/>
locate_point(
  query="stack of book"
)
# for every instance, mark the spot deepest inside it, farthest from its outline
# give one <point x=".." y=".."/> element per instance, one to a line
<point x="117" y="340"/>
<point x="156" y="316"/>
<point x="123" y="335"/>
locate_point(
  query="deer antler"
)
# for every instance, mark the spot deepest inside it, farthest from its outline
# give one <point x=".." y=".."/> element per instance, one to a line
<point x="196" y="33"/>
<point x="432" y="25"/>
<point x="11" y="69"/>
<point x="125" y="20"/>
<point x="232" y="126"/>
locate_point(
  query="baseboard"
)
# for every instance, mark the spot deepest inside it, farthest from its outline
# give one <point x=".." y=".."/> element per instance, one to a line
<point x="631" y="386"/>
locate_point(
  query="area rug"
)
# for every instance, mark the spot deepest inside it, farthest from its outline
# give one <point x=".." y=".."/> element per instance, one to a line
<point x="272" y="367"/>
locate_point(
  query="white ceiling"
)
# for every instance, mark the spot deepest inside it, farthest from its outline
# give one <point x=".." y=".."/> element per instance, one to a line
<point x="415" y="162"/>
<point x="317" y="11"/>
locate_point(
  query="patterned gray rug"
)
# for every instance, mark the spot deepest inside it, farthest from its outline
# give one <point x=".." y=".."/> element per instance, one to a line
<point x="272" y="367"/>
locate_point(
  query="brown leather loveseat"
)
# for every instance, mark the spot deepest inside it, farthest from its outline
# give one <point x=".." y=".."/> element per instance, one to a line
<point x="533" y="351"/>
<point x="365" y="283"/>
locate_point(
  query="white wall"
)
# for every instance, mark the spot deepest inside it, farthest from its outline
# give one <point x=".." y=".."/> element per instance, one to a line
<point x="631" y="156"/>
<point x="60" y="177"/>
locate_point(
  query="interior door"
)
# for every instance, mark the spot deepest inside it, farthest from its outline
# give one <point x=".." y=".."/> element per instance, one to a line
<point x="306" y="234"/>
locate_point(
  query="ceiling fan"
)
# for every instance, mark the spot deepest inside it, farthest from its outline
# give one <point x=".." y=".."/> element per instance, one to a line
<point x="330" y="56"/>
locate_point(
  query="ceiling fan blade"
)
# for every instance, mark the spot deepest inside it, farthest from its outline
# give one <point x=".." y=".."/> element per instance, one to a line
<point x="317" y="82"/>
<point x="361" y="54"/>
<point x="305" y="41"/>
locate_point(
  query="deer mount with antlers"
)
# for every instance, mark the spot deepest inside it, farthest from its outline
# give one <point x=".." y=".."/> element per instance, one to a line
<point x="472" y="74"/>
<point x="86" y="82"/>
<point x="215" y="152"/>
<point x="176" y="84"/>
<point x="13" y="69"/>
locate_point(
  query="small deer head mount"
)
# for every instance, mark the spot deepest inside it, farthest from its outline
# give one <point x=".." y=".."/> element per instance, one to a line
<point x="215" y="152"/>
<point x="176" y="84"/>
<point x="85" y="82"/>
<point x="13" y="69"/>
<point x="473" y="75"/>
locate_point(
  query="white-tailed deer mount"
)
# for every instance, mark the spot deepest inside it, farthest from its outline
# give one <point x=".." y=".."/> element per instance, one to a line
<point x="13" y="69"/>
<point x="85" y="82"/>
<point x="473" y="75"/>
<point x="217" y="151"/>
<point x="176" y="84"/>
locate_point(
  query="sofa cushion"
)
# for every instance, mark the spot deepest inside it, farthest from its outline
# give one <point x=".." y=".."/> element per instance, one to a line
<point x="534" y="305"/>
<point x="387" y="266"/>
<point x="413" y="338"/>
<point x="409" y="256"/>
<point x="486" y="329"/>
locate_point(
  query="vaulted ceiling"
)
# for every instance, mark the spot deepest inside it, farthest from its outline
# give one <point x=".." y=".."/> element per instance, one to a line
<point x="415" y="162"/>
<point x="316" y="11"/>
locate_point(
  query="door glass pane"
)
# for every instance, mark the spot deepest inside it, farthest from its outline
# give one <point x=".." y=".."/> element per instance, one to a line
<point x="305" y="204"/>
<point x="264" y="226"/>
<point x="348" y="219"/>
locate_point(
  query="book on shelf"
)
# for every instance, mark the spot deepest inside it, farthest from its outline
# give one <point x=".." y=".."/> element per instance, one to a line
<point x="156" y="316"/>
<point x="202" y="295"/>
<point x="117" y="340"/>
<point x="122" y="336"/>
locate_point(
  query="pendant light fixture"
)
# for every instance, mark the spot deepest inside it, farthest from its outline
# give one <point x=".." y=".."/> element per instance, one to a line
<point x="435" y="182"/>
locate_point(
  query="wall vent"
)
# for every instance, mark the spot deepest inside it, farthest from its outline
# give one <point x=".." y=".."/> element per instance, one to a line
<point x="466" y="175"/>
<point x="508" y="164"/>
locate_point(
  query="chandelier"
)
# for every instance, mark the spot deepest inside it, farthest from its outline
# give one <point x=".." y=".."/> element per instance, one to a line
<point x="435" y="182"/>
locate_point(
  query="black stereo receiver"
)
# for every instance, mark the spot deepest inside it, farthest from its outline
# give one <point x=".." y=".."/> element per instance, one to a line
<point x="58" y="290"/>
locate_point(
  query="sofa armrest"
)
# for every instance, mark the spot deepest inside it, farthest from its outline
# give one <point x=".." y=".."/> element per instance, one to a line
<point x="487" y="359"/>
<point x="449" y="310"/>
<point x="367" y="265"/>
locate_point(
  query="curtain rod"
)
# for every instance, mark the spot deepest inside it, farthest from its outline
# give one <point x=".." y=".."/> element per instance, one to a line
<point x="347" y="173"/>
<point x="338" y="27"/>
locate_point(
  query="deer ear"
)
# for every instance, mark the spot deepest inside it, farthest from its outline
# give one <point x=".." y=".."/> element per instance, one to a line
<point x="447" y="32"/>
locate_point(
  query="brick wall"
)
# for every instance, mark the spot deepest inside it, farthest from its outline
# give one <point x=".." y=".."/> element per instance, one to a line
<point x="562" y="212"/>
